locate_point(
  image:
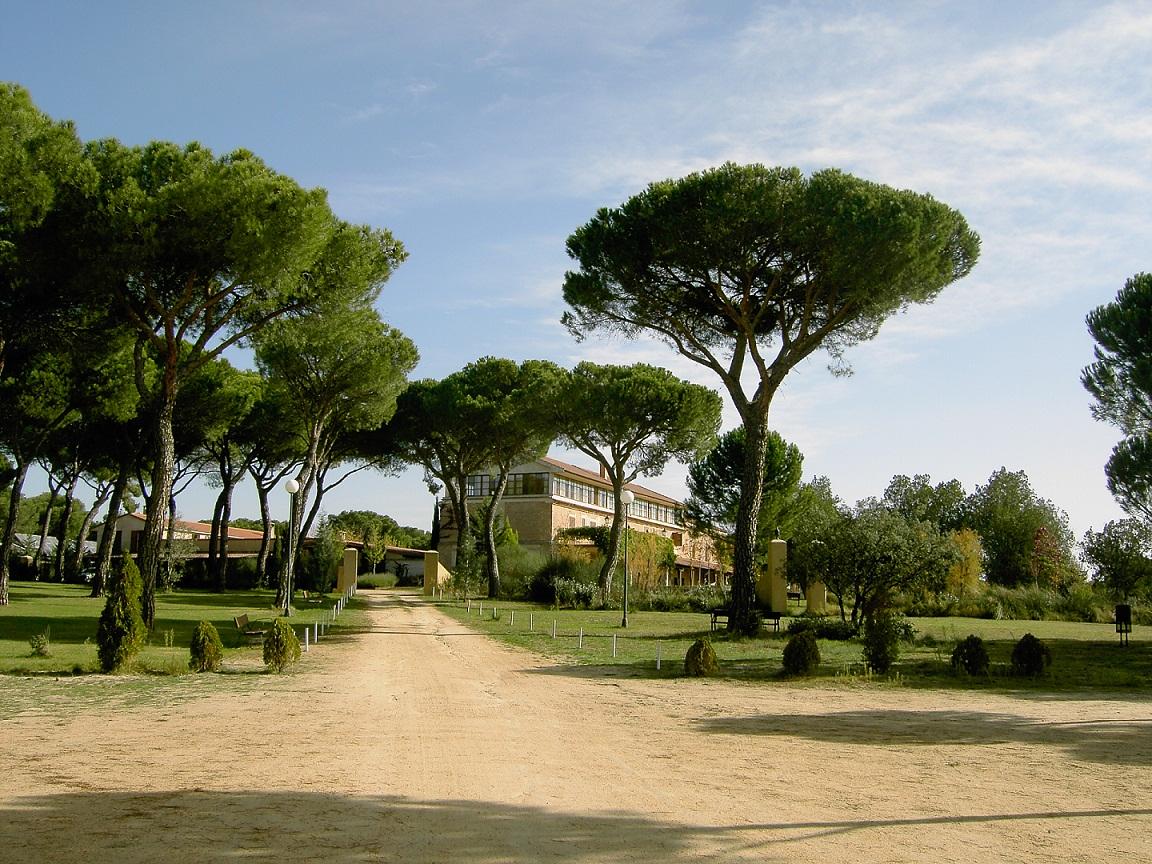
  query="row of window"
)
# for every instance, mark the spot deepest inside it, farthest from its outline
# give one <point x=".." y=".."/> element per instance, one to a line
<point x="480" y="485"/>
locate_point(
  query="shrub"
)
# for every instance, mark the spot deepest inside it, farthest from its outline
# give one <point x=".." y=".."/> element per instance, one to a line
<point x="120" y="633"/>
<point x="822" y="627"/>
<point x="281" y="647"/>
<point x="801" y="654"/>
<point x="207" y="650"/>
<point x="41" y="643"/>
<point x="574" y="593"/>
<point x="701" y="659"/>
<point x="1030" y="656"/>
<point x="882" y="636"/>
<point x="971" y="656"/>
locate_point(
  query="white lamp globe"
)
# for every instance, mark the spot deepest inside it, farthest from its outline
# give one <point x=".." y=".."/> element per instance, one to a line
<point x="292" y="486"/>
<point x="626" y="498"/>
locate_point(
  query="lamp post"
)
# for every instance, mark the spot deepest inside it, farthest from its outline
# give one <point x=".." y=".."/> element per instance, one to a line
<point x="626" y="498"/>
<point x="292" y="486"/>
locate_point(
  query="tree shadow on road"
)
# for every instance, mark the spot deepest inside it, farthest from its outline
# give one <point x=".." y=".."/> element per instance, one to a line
<point x="1108" y="741"/>
<point x="339" y="829"/>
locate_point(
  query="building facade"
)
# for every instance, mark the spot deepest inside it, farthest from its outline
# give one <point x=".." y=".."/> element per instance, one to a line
<point x="547" y="496"/>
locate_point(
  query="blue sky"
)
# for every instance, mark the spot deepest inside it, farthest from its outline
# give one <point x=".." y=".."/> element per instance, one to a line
<point x="483" y="134"/>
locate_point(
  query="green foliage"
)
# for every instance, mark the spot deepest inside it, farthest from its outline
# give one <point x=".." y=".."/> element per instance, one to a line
<point x="971" y="656"/>
<point x="631" y="420"/>
<point x="41" y="643"/>
<point x="801" y="654"/>
<point x="701" y="598"/>
<point x="871" y="554"/>
<point x="917" y="500"/>
<point x="1030" y="656"/>
<point x="207" y="651"/>
<point x="281" y="646"/>
<point x="1026" y="538"/>
<point x="881" y="636"/>
<point x="121" y="632"/>
<point x="317" y="570"/>
<point x="573" y="593"/>
<point x="519" y="566"/>
<point x="1121" y="383"/>
<point x="1121" y="558"/>
<point x="823" y="627"/>
<point x="700" y="661"/>
<point x="714" y="487"/>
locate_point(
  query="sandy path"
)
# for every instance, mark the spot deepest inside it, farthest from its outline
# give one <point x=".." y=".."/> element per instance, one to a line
<point x="421" y="741"/>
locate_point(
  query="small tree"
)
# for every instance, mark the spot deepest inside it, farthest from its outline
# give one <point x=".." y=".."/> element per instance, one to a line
<point x="281" y="646"/>
<point x="207" y="650"/>
<point x="801" y="654"/>
<point x="1121" y="558"/>
<point x="120" y="633"/>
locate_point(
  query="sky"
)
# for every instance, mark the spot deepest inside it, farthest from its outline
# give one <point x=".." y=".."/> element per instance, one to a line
<point x="482" y="134"/>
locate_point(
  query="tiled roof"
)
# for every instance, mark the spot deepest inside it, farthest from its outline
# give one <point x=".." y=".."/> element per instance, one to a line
<point x="234" y="533"/>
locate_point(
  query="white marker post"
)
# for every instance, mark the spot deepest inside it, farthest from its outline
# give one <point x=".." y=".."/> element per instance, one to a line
<point x="613" y="644"/>
<point x="657" y="658"/>
<point x="580" y="643"/>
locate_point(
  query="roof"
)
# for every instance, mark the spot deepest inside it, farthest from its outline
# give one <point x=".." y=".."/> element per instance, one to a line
<point x="595" y="477"/>
<point x="234" y="533"/>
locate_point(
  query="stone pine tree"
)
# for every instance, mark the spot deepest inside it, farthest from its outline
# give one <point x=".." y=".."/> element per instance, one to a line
<point x="1121" y="383"/>
<point x="748" y="270"/>
<point x="631" y="420"/>
<point x="197" y="254"/>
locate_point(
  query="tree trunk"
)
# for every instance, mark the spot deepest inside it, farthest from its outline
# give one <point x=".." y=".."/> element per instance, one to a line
<point x="164" y="455"/>
<point x="615" y="532"/>
<point x="65" y="518"/>
<point x="53" y="493"/>
<point x="102" y="493"/>
<point x="222" y="543"/>
<point x="108" y="532"/>
<point x="10" y="527"/>
<point x="491" y="562"/>
<point x="266" y="540"/>
<point x="215" y="577"/>
<point x="743" y="606"/>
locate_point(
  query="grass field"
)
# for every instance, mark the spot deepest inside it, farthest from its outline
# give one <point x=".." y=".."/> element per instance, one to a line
<point x="69" y="618"/>
<point x="1085" y="656"/>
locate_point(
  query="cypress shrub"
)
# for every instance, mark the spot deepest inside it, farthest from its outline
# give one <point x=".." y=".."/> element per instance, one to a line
<point x="971" y="656"/>
<point x="207" y="649"/>
<point x="882" y="635"/>
<point x="120" y="633"/>
<point x="1030" y="657"/>
<point x="801" y="654"/>
<point x="701" y="659"/>
<point x="281" y="647"/>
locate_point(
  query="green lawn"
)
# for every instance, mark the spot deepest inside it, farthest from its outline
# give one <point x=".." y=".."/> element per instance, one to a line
<point x="70" y="617"/>
<point x="1085" y="656"/>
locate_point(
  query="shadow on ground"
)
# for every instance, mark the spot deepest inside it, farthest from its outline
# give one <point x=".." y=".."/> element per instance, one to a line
<point x="338" y="829"/>
<point x="1113" y="742"/>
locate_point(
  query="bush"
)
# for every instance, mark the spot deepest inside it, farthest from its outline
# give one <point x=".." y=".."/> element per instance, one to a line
<point x="701" y="659"/>
<point x="882" y="636"/>
<point x="822" y="627"/>
<point x="367" y="581"/>
<point x="1030" y="656"/>
<point x="40" y="643"/>
<point x="207" y="650"/>
<point x="574" y="593"/>
<point x="518" y="567"/>
<point x="801" y="654"/>
<point x="281" y="647"/>
<point x="971" y="656"/>
<point x="120" y="633"/>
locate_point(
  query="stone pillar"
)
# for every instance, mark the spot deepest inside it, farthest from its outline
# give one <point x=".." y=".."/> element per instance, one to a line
<point x="772" y="584"/>
<point x="431" y="573"/>
<point x="817" y="598"/>
<point x="346" y="575"/>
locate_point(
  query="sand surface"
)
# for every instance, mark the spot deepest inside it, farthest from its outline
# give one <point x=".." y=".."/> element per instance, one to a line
<point x="421" y="741"/>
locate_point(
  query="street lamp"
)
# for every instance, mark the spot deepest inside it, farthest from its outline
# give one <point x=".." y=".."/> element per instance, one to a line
<point x="292" y="486"/>
<point x="626" y="498"/>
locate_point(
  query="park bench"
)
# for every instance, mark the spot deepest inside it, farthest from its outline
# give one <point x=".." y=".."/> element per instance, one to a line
<point x="311" y="597"/>
<point x="247" y="628"/>
<point x="722" y="612"/>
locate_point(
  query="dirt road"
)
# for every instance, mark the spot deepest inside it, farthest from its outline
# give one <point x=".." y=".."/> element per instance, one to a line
<point x="420" y="741"/>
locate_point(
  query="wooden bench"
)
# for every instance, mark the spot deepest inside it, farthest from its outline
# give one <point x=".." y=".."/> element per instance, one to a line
<point x="723" y="612"/>
<point x="247" y="628"/>
<point x="311" y="597"/>
<point x="717" y="614"/>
